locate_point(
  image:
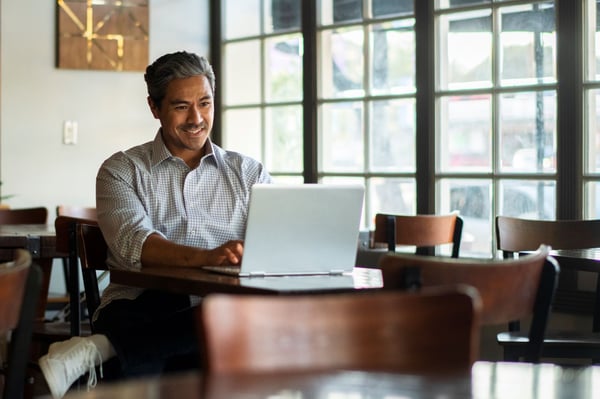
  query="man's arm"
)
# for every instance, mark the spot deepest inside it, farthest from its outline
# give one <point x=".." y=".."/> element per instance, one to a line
<point x="158" y="251"/>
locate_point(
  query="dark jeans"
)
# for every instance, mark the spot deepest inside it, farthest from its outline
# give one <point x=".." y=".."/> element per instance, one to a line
<point x="152" y="334"/>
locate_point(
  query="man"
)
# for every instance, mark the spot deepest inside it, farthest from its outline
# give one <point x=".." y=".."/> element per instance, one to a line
<point x="178" y="200"/>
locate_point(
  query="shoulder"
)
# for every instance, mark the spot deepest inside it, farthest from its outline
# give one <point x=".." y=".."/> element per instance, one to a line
<point x="240" y="163"/>
<point x="133" y="158"/>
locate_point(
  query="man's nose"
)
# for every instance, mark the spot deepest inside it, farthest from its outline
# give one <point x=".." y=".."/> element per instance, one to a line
<point x="194" y="115"/>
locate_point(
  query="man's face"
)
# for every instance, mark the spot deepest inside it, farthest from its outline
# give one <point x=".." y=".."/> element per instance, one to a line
<point x="186" y="117"/>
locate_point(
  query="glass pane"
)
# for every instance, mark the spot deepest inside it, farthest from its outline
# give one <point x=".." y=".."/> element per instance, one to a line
<point x="336" y="11"/>
<point x="465" y="50"/>
<point x="459" y="3"/>
<point x="392" y="134"/>
<point x="528" y="199"/>
<point x="391" y="195"/>
<point x="465" y="139"/>
<point x="283" y="75"/>
<point x="242" y="132"/>
<point x="591" y="38"/>
<point x="383" y="8"/>
<point x="472" y="199"/>
<point x="242" y="85"/>
<point x="282" y="15"/>
<point x="342" y="65"/>
<point x="393" y="57"/>
<point x="593" y="130"/>
<point x="284" y="139"/>
<point x="341" y="138"/>
<point x="528" y="44"/>
<point x="592" y="194"/>
<point x="241" y="18"/>
<point x="527" y="132"/>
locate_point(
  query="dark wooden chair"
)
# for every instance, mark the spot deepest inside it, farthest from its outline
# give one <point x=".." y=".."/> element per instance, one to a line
<point x="516" y="235"/>
<point x="510" y="289"/>
<point x="383" y="331"/>
<point x="66" y="244"/>
<point x="92" y="251"/>
<point x="424" y="232"/>
<point x="20" y="283"/>
<point x="37" y="215"/>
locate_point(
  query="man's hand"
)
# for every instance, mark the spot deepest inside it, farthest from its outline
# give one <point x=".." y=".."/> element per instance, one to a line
<point x="229" y="253"/>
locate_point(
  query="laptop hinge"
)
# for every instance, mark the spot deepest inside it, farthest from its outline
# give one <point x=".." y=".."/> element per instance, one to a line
<point x="336" y="272"/>
<point x="257" y="274"/>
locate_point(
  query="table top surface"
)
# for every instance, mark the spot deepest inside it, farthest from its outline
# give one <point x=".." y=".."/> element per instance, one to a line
<point x="487" y="380"/>
<point x="25" y="230"/>
<point x="200" y="282"/>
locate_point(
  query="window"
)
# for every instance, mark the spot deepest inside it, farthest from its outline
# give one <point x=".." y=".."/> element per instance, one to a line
<point x="494" y="94"/>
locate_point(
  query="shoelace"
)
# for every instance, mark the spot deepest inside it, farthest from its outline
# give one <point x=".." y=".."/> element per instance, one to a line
<point x="92" y="378"/>
<point x="88" y="365"/>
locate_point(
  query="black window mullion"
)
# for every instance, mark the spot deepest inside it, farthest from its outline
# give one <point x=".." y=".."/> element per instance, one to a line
<point x="309" y="83"/>
<point x="216" y="38"/>
<point x="425" y="106"/>
<point x="569" y="157"/>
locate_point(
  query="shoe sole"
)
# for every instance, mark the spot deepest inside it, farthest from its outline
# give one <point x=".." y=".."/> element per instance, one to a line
<point x="48" y="375"/>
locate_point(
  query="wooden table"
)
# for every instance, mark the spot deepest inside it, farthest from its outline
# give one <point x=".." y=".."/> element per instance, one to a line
<point x="487" y="380"/>
<point x="199" y="282"/>
<point x="40" y="240"/>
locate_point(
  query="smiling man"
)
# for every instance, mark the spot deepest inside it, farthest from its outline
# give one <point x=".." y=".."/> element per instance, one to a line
<point x="179" y="200"/>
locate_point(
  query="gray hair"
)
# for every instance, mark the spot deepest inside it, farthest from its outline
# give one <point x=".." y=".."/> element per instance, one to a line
<point x="177" y="65"/>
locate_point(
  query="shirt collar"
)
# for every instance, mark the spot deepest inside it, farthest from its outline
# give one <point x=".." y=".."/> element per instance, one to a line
<point x="160" y="152"/>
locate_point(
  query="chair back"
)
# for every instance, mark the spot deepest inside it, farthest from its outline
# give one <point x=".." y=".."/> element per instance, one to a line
<point x="514" y="234"/>
<point x="92" y="250"/>
<point x="510" y="289"/>
<point x="82" y="212"/>
<point x="38" y="215"/>
<point x="382" y="331"/>
<point x="20" y="284"/>
<point x="421" y="231"/>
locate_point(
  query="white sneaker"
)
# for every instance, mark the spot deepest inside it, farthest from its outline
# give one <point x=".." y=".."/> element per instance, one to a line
<point x="67" y="361"/>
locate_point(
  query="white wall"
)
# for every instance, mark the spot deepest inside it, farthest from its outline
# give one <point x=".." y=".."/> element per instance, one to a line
<point x="110" y="107"/>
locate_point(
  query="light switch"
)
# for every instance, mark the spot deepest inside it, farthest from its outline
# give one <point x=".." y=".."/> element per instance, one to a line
<point x="70" y="132"/>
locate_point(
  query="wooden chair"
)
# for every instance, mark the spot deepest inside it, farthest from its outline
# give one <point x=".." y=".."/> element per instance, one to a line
<point x="66" y="243"/>
<point x="92" y="251"/>
<point x="37" y="215"/>
<point x="422" y="231"/>
<point x="510" y="289"/>
<point x="20" y="283"/>
<point x="383" y="331"/>
<point x="515" y="235"/>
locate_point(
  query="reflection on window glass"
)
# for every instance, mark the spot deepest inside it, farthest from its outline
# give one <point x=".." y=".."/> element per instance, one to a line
<point x="386" y="7"/>
<point x="283" y="74"/>
<point x="339" y="11"/>
<point x="391" y="195"/>
<point x="392" y="133"/>
<point x="243" y="128"/>
<point x="593" y="130"/>
<point x="528" y="199"/>
<point x="242" y="85"/>
<point x="241" y="18"/>
<point x="282" y="15"/>
<point x="528" y="44"/>
<point x="392" y="47"/>
<point x="341" y="139"/>
<point x="465" y="143"/>
<point x="284" y="139"/>
<point x="465" y="49"/>
<point x="527" y="132"/>
<point x="473" y="200"/>
<point x="342" y="63"/>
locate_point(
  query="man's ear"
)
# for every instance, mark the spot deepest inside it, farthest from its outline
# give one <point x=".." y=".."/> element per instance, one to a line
<point x="153" y="108"/>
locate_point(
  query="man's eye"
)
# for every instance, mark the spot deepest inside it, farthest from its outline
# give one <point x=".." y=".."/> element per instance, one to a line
<point x="181" y="107"/>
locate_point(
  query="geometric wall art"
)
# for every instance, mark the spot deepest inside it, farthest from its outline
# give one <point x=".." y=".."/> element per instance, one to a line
<point x="102" y="34"/>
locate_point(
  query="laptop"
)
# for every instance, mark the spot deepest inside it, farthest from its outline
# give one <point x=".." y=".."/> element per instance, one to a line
<point x="303" y="229"/>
